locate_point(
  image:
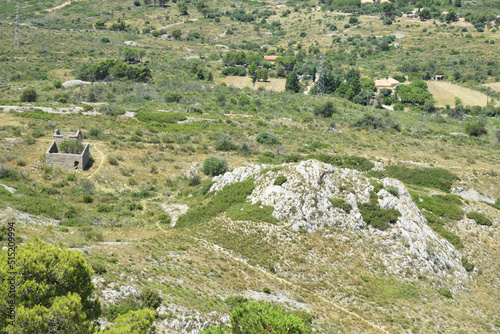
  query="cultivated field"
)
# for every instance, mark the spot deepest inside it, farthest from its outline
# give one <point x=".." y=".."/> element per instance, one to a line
<point x="277" y="85"/>
<point x="444" y="93"/>
<point x="495" y="86"/>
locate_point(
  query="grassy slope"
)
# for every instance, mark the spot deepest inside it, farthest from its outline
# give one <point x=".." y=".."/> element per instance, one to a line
<point x="163" y="168"/>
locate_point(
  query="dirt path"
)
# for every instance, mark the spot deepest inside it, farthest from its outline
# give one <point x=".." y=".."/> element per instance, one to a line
<point x="173" y="24"/>
<point x="59" y="7"/>
<point x="220" y="250"/>
<point x="100" y="165"/>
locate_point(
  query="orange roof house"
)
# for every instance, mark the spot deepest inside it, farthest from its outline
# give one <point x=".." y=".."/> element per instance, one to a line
<point x="270" y="58"/>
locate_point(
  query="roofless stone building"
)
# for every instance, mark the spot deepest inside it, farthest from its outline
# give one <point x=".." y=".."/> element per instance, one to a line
<point x="55" y="156"/>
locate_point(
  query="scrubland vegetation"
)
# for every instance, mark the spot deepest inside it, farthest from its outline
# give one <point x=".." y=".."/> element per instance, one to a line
<point x="162" y="122"/>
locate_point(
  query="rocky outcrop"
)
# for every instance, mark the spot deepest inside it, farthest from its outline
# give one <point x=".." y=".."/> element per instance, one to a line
<point x="303" y="202"/>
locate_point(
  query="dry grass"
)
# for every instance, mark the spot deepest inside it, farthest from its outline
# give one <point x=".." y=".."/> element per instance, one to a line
<point x="494" y="85"/>
<point x="276" y="85"/>
<point x="445" y="93"/>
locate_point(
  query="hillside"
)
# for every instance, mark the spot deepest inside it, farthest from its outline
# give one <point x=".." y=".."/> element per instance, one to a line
<point x="218" y="177"/>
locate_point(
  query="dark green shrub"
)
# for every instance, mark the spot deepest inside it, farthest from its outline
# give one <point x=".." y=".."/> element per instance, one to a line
<point x="135" y="207"/>
<point x="173" y="97"/>
<point x="7" y="173"/>
<point x="266" y="290"/>
<point x="194" y="180"/>
<point x="445" y="293"/>
<point x="224" y="143"/>
<point x="112" y="160"/>
<point x="214" y="166"/>
<point x="476" y="129"/>
<point x="267" y="138"/>
<point x="436" y="178"/>
<point x="280" y="180"/>
<point x="392" y="190"/>
<point x="378" y="217"/>
<point x="325" y="110"/>
<point x="87" y="199"/>
<point x="57" y="83"/>
<point x="341" y="204"/>
<point x="234" y="71"/>
<point x="71" y="177"/>
<point x="95" y="133"/>
<point x="467" y="265"/>
<point x="345" y="161"/>
<point x="150" y="299"/>
<point x="479" y="218"/>
<point x="29" y="95"/>
<point x="377" y="186"/>
<point x="70" y="146"/>
<point x="441" y="205"/>
<point x="105" y="40"/>
<point x="160" y="117"/>
<point x="164" y="219"/>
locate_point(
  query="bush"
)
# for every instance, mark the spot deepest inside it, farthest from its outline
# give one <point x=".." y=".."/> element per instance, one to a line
<point x="173" y="97"/>
<point x="476" y="129"/>
<point x="280" y="180"/>
<point x="214" y="166"/>
<point x="88" y="199"/>
<point x="29" y="95"/>
<point x="445" y="293"/>
<point x="345" y="161"/>
<point x="9" y="174"/>
<point x="95" y="133"/>
<point x="437" y="178"/>
<point x="225" y="198"/>
<point x="71" y="147"/>
<point x="441" y="205"/>
<point x="479" y="218"/>
<point x="467" y="265"/>
<point x="377" y="217"/>
<point x="341" y="204"/>
<point x="71" y="177"/>
<point x="194" y="180"/>
<point x="57" y="83"/>
<point x="105" y="40"/>
<point x="224" y="143"/>
<point x="150" y="299"/>
<point x="267" y="138"/>
<point x="160" y="117"/>
<point x="325" y="110"/>
<point x="164" y="219"/>
<point x="392" y="190"/>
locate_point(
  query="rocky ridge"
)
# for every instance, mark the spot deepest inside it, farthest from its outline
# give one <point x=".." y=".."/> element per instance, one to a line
<point x="409" y="246"/>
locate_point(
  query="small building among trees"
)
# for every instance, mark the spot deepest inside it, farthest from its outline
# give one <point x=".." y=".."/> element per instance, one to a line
<point x="386" y="83"/>
<point x="68" y="151"/>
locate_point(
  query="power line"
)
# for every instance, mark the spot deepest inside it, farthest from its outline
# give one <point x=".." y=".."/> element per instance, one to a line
<point x="17" y="36"/>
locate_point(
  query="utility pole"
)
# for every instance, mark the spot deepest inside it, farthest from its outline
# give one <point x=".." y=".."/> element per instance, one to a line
<point x="17" y="37"/>
<point x="321" y="81"/>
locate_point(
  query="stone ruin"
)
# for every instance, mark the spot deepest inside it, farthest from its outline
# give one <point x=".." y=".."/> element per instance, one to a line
<point x="67" y="160"/>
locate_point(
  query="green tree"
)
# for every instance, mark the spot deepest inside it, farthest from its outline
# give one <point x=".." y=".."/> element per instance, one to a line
<point x="54" y="290"/>
<point x="176" y="34"/>
<point x="256" y="317"/>
<point x="214" y="166"/>
<point x="451" y="16"/>
<point x="182" y="8"/>
<point x="325" y="110"/>
<point x="262" y="74"/>
<point x="425" y="14"/>
<point x="29" y="95"/>
<point x="136" y="322"/>
<point x="388" y="8"/>
<point x="292" y="83"/>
